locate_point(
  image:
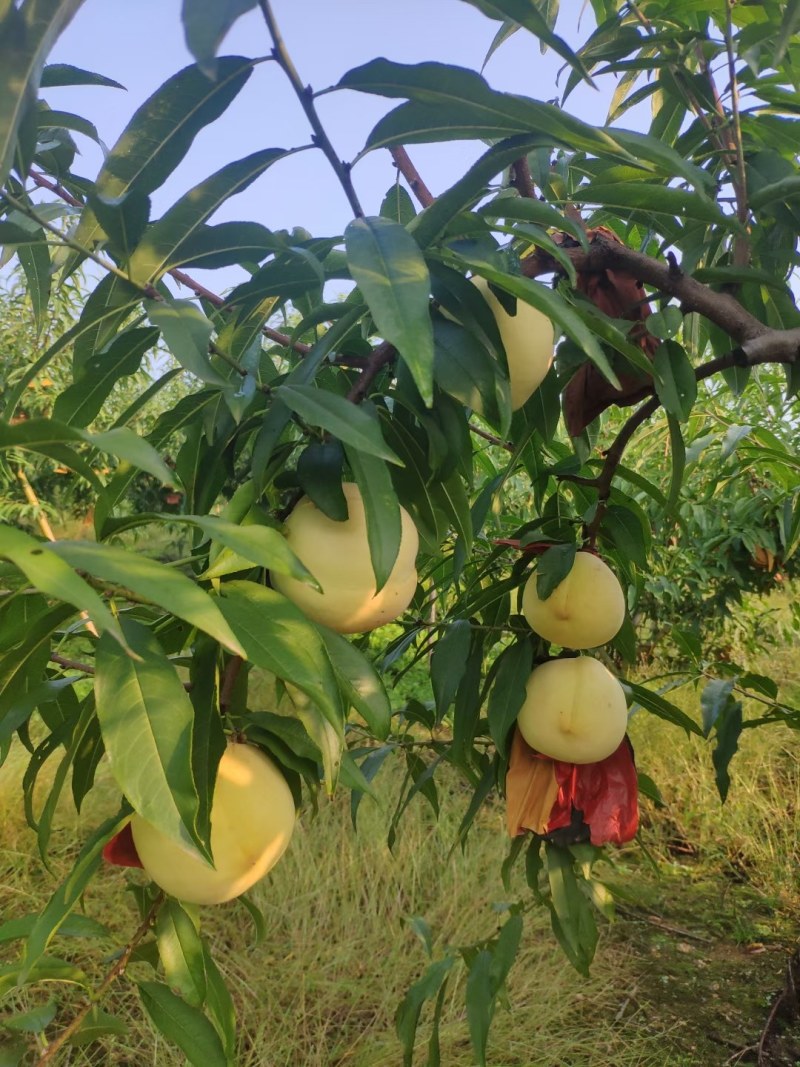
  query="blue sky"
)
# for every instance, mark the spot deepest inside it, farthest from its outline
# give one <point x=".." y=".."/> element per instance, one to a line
<point x="141" y="44"/>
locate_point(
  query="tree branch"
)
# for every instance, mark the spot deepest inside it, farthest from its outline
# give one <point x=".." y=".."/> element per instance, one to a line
<point x="381" y="357"/>
<point x="411" y="174"/>
<point x="306" y="97"/>
<point x="522" y="179"/>
<point x="720" y="308"/>
<point x="116" y="971"/>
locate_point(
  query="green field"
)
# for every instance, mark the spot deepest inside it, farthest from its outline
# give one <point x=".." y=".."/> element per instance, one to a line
<point x="707" y="915"/>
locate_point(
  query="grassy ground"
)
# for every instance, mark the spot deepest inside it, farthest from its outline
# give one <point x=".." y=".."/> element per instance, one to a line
<point x="684" y="978"/>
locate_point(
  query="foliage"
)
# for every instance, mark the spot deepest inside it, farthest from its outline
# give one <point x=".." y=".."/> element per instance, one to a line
<point x="702" y="209"/>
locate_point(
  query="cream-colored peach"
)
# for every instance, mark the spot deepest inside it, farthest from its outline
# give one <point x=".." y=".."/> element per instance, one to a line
<point x="337" y="554"/>
<point x="584" y="610"/>
<point x="574" y="710"/>
<point x="528" y="339"/>
<point x="252" y="819"/>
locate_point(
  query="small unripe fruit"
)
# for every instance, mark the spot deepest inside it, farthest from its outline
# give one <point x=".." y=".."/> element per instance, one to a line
<point x="528" y="339"/>
<point x="337" y="554"/>
<point x="584" y="610"/>
<point x="574" y="710"/>
<point x="252" y="819"/>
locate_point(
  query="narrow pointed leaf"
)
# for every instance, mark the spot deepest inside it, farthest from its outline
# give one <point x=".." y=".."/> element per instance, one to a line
<point x="148" y="578"/>
<point x="345" y="420"/>
<point x="26" y="36"/>
<point x="184" y="1025"/>
<point x="161" y="132"/>
<point x="146" y="720"/>
<point x="388" y="266"/>
<point x="205" y="26"/>
<point x="50" y="574"/>
<point x="162" y="242"/>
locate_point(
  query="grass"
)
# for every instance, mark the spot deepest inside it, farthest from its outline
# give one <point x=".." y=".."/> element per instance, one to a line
<point x="708" y="911"/>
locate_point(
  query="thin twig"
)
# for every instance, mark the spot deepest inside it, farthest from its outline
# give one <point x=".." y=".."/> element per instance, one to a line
<point x="491" y="438"/>
<point x="116" y="971"/>
<point x="306" y="97"/>
<point x="71" y="664"/>
<point x="412" y="176"/>
<point x="380" y="358"/>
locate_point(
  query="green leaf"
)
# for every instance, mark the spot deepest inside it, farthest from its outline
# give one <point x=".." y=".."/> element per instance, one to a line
<point x="58" y="74"/>
<point x="184" y="1025"/>
<point x="551" y="304"/>
<point x="27" y="34"/>
<point x="453" y="103"/>
<point x="219" y="1004"/>
<point x="623" y="527"/>
<point x="480" y="1007"/>
<point x="277" y="637"/>
<point x="673" y="375"/>
<point x="408" y="1013"/>
<point x="153" y="581"/>
<point x="389" y="269"/>
<point x="525" y="14"/>
<point x="187" y="334"/>
<point x="449" y="662"/>
<point x="53" y="576"/>
<point x="34" y="1021"/>
<point x="571" y="915"/>
<point x="97" y="1024"/>
<point x="82" y="401"/>
<point x="665" y="323"/>
<point x="519" y="208"/>
<point x="352" y="424"/>
<point x="465" y="370"/>
<point x="205" y="26"/>
<point x="211" y="247"/>
<point x="553" y="567"/>
<point x="678" y="454"/>
<point x="319" y="472"/>
<point x="146" y="720"/>
<point x="58" y="908"/>
<point x="180" y="948"/>
<point x="431" y="223"/>
<point x="73" y="926"/>
<point x="361" y="684"/>
<point x="47" y="969"/>
<point x="123" y="220"/>
<point x="397" y="205"/>
<point x="514" y="666"/>
<point x="35" y="262"/>
<point x="382" y="512"/>
<point x="161" y="132"/>
<point x="654" y="200"/>
<point x="161" y="246"/>
<point x="657" y="705"/>
<point x="12" y="234"/>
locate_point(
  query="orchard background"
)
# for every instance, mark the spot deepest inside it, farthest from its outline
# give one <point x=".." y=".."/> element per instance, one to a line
<point x="172" y="384"/>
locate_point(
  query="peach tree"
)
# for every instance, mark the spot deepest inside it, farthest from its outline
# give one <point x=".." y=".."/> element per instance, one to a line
<point x="660" y="262"/>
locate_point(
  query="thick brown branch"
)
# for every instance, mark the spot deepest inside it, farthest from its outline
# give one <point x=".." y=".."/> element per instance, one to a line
<point x="522" y="179"/>
<point x="720" y="308"/>
<point x="411" y="174"/>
